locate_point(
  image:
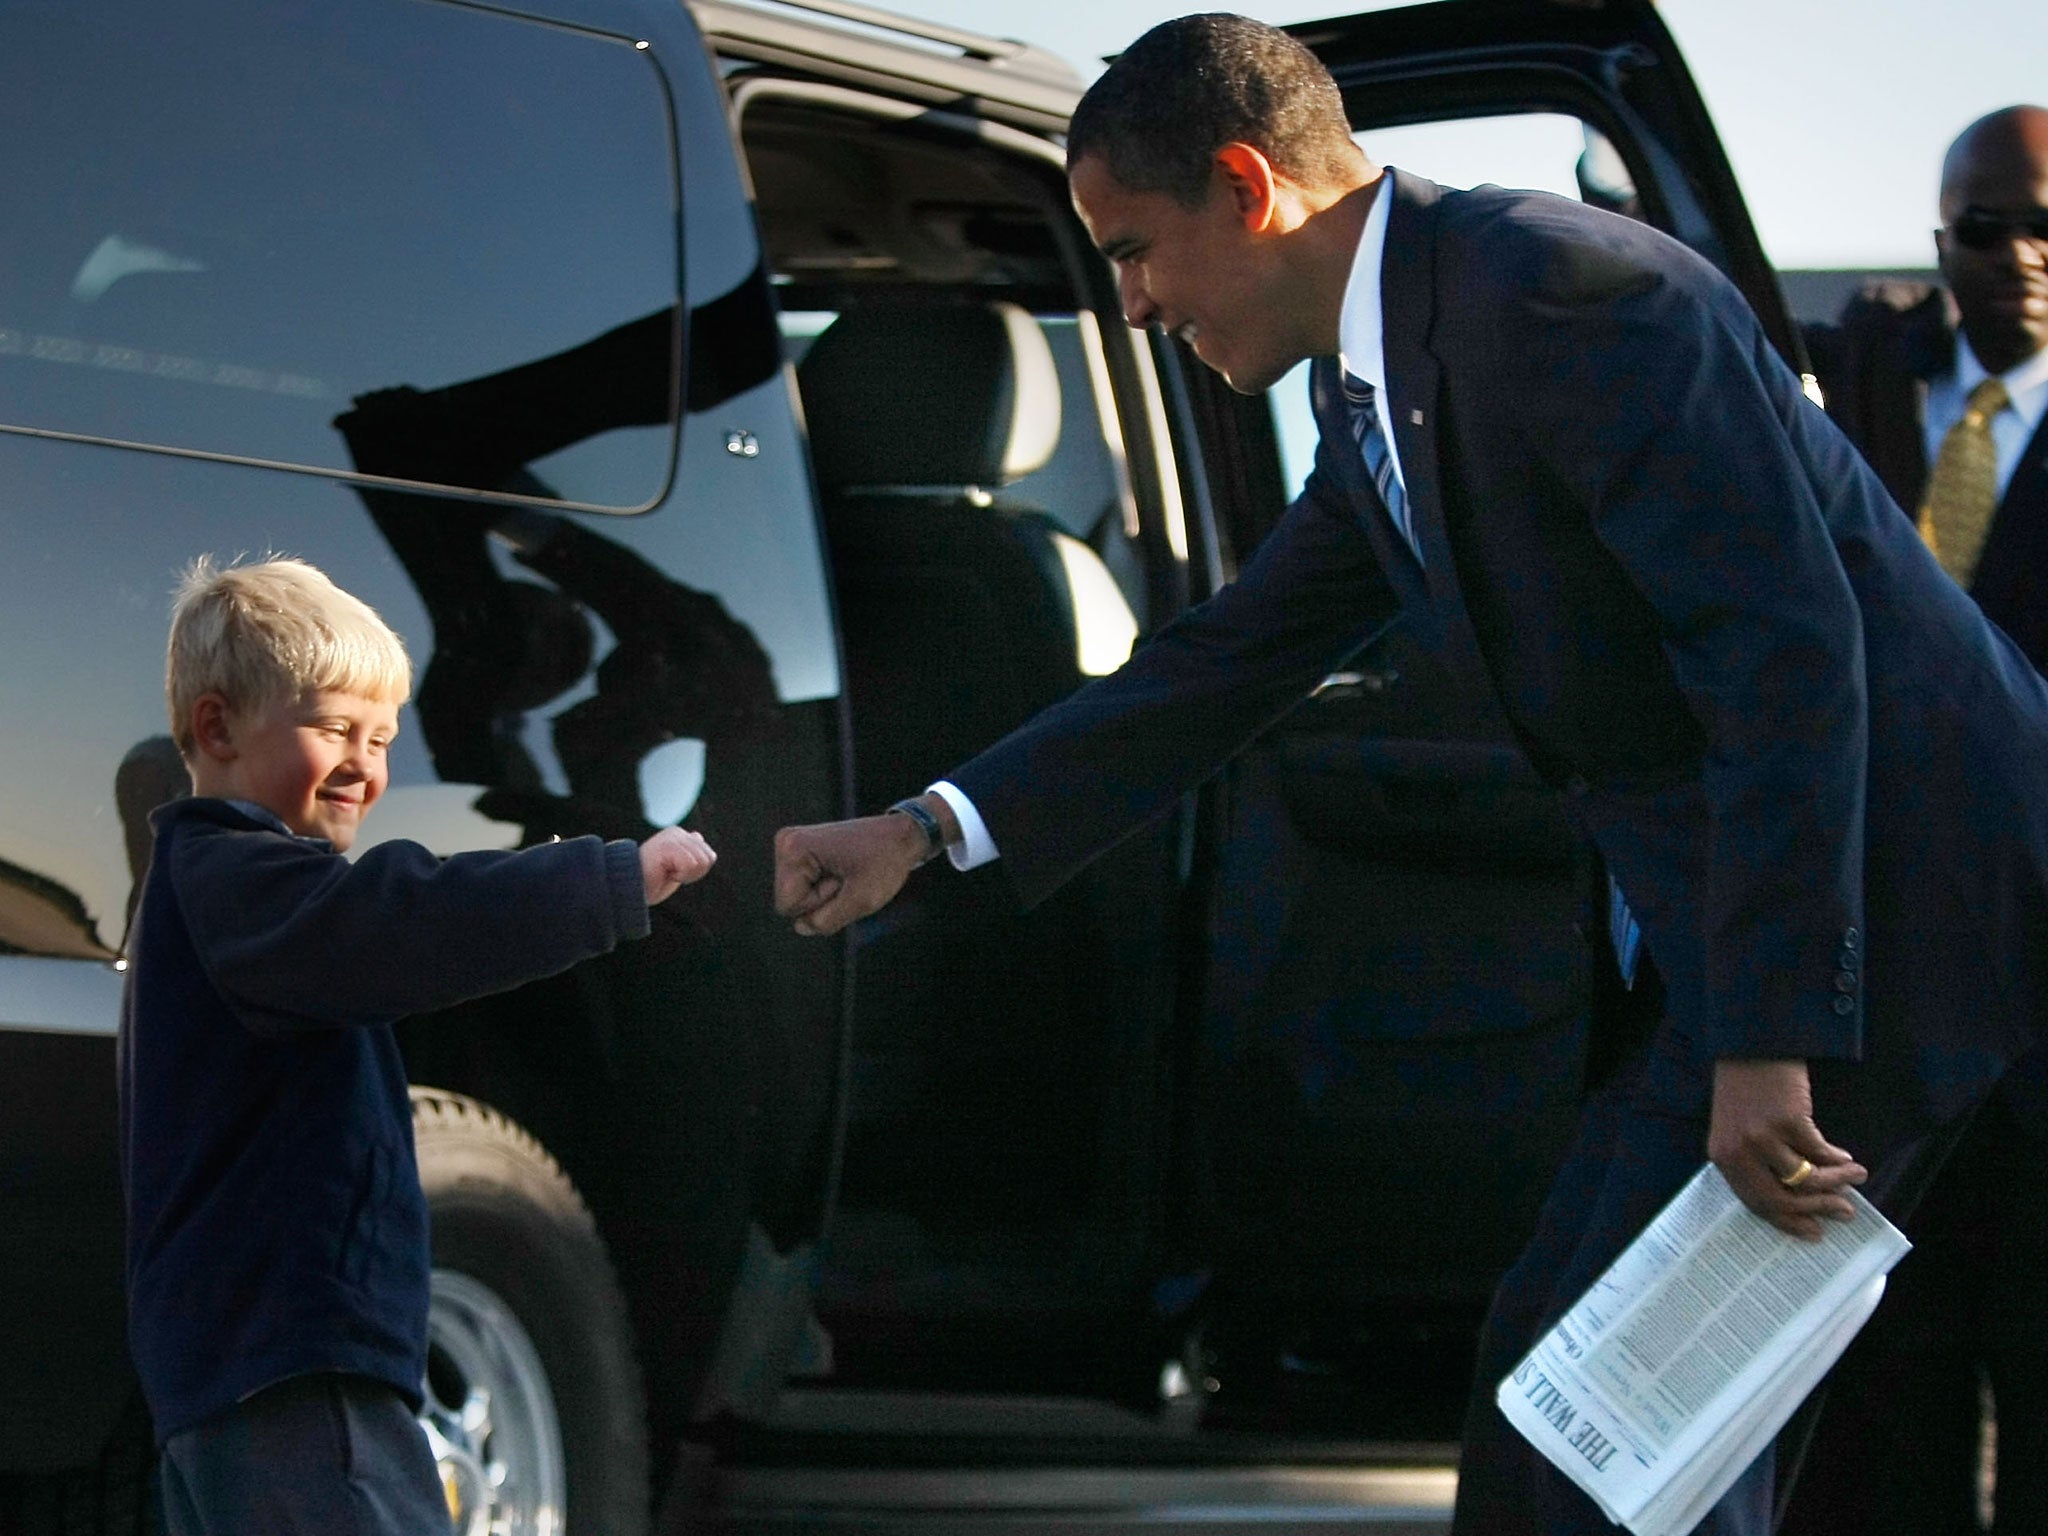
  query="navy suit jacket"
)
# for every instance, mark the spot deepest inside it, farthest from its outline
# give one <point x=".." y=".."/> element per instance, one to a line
<point x="1818" y="773"/>
<point x="1875" y="364"/>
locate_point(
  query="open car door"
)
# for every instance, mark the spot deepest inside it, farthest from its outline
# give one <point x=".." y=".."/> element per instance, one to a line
<point x="1611" y="64"/>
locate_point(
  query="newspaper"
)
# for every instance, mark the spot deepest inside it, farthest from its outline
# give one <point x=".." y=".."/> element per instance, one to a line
<point x="1686" y="1357"/>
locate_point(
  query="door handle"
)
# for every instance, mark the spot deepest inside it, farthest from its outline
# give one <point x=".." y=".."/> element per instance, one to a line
<point x="1353" y="685"/>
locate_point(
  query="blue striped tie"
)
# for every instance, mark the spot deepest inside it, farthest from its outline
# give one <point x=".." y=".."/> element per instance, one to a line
<point x="1625" y="932"/>
<point x="1372" y="444"/>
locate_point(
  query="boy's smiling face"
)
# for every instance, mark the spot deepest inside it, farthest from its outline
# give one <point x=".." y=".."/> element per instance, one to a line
<point x="317" y="762"/>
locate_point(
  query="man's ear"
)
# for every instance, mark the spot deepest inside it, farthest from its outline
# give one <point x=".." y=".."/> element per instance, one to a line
<point x="1248" y="179"/>
<point x="213" y="729"/>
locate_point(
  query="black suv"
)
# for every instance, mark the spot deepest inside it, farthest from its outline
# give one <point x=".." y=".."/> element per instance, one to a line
<point x="726" y="406"/>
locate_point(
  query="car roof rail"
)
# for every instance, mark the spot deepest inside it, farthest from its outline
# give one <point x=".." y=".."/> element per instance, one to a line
<point x="1036" y="80"/>
<point x="1027" y="58"/>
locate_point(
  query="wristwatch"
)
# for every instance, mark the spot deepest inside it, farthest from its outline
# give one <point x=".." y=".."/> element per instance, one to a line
<point x="927" y="823"/>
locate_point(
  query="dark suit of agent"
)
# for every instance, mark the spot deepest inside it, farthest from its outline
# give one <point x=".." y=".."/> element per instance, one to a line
<point x="1897" y="371"/>
<point x="1710" y="626"/>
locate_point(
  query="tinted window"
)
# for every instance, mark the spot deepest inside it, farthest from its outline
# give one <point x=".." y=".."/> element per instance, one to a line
<point x="574" y="671"/>
<point x="235" y="225"/>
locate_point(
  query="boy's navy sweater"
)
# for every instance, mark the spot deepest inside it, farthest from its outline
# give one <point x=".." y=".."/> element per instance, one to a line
<point x="275" y="1221"/>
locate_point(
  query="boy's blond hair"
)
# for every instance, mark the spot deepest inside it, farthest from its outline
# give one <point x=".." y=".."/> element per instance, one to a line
<point x="277" y="629"/>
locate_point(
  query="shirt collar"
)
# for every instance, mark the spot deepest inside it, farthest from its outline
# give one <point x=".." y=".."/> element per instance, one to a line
<point x="1360" y="324"/>
<point x="2025" y="385"/>
<point x="262" y="813"/>
<point x="210" y="808"/>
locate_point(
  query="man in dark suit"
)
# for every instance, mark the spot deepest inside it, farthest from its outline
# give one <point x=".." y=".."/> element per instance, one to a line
<point x="1557" y="446"/>
<point x="1900" y="371"/>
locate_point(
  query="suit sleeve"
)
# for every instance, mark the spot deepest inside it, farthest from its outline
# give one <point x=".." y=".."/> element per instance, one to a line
<point x="1657" y="404"/>
<point x="297" y="938"/>
<point x="1086" y="772"/>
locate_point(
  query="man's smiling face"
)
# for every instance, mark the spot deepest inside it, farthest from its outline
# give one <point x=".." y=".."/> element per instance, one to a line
<point x="1198" y="273"/>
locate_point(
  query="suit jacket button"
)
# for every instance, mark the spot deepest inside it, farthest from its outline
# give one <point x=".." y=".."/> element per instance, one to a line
<point x="1845" y="1004"/>
<point x="1846" y="960"/>
<point x="1850" y="938"/>
<point x="1845" y="981"/>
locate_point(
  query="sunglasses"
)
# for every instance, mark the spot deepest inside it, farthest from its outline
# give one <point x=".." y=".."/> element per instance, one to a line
<point x="1979" y="229"/>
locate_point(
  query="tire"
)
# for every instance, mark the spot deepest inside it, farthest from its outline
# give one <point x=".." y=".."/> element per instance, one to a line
<point x="534" y="1404"/>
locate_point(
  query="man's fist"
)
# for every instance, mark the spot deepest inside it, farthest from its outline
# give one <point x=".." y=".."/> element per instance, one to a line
<point x="671" y="859"/>
<point x="834" y="872"/>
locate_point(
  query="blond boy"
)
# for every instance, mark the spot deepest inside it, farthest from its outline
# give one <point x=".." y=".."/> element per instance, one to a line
<point x="277" y="1235"/>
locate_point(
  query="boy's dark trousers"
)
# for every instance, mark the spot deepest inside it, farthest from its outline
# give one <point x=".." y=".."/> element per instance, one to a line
<point x="322" y="1455"/>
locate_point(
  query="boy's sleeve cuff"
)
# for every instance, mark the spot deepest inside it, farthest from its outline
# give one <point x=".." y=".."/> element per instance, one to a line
<point x="628" y="888"/>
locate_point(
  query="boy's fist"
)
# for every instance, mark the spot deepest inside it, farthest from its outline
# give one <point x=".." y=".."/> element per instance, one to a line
<point x="671" y="859"/>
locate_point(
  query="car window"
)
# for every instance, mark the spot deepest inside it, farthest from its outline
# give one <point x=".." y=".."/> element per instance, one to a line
<point x="267" y="232"/>
<point x="573" y="670"/>
<point x="1545" y="151"/>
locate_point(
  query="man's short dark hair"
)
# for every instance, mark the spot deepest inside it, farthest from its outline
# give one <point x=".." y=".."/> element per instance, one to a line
<point x="1186" y="88"/>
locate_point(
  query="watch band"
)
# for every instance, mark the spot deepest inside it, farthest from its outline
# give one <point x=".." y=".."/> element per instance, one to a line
<point x="927" y="823"/>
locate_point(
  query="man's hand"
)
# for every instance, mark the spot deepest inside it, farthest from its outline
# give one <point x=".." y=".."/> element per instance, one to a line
<point x="835" y="872"/>
<point x="671" y="859"/>
<point x="1763" y="1137"/>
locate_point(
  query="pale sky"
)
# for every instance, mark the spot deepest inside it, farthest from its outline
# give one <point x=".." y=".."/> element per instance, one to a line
<point x="1835" y="112"/>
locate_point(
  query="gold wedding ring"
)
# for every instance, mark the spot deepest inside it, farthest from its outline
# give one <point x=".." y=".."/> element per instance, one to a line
<point x="1798" y="1176"/>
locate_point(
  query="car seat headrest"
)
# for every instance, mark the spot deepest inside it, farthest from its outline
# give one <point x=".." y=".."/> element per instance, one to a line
<point x="930" y="395"/>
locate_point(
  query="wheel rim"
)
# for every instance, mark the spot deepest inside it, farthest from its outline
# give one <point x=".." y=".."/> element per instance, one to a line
<point x="490" y="1415"/>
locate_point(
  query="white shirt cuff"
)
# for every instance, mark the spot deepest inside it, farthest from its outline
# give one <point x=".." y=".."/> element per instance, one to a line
<point x="975" y="847"/>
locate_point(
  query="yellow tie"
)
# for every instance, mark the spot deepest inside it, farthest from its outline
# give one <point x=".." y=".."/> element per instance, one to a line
<point x="1962" y="490"/>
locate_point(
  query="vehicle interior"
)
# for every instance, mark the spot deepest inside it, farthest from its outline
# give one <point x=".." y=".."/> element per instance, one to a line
<point x="1003" y="1138"/>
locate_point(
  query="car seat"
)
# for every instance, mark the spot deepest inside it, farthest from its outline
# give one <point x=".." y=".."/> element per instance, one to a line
<point x="957" y="604"/>
<point x="979" y="1032"/>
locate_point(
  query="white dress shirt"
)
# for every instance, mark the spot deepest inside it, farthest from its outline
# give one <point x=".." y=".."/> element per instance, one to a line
<point x="1360" y="323"/>
<point x="2011" y="429"/>
<point x="1362" y="355"/>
